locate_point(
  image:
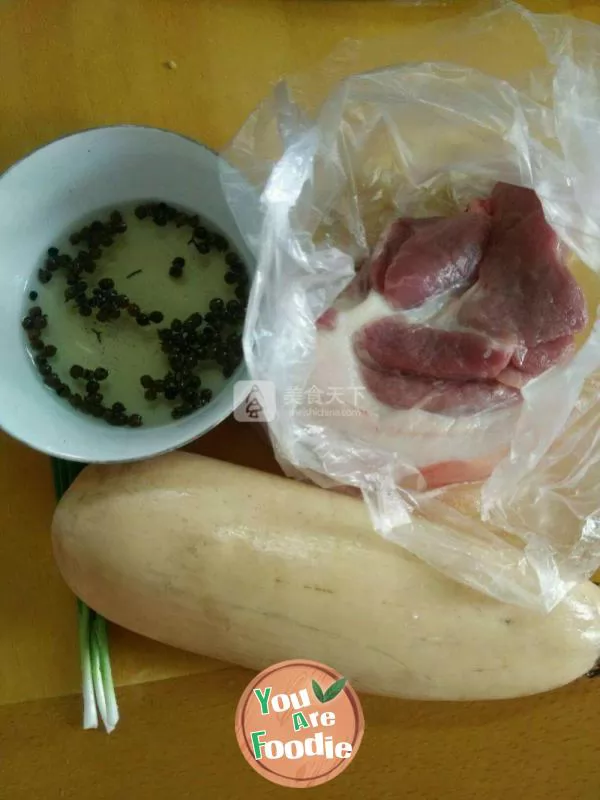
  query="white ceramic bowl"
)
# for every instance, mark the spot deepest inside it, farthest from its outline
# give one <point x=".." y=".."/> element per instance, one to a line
<point x="45" y="195"/>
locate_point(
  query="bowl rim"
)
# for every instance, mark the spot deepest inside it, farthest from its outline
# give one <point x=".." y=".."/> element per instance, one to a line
<point x="241" y="373"/>
<point x="96" y="128"/>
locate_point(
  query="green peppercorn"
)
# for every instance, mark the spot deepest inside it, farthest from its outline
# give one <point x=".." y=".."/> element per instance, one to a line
<point x="232" y="260"/>
<point x="216" y="305"/>
<point x="241" y="293"/>
<point x="190" y="396"/>
<point x="214" y="320"/>
<point x="234" y="307"/>
<point x="193" y="321"/>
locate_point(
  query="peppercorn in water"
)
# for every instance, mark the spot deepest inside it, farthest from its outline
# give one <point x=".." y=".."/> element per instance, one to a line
<point x="136" y="316"/>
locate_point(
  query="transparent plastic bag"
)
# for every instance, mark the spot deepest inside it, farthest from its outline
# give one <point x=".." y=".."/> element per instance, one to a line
<point x="336" y="156"/>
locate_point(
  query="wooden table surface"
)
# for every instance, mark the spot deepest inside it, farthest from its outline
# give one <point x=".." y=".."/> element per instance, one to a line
<point x="72" y="64"/>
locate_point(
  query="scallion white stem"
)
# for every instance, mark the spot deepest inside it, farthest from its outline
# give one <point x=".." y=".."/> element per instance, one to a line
<point x="97" y="677"/>
<point x="90" y="714"/>
<point x="100" y="641"/>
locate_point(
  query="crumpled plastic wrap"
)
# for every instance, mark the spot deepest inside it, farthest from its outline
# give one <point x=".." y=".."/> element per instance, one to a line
<point x="422" y="124"/>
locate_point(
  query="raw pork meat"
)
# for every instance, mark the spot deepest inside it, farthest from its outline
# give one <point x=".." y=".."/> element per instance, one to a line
<point x="448" y="446"/>
<point x="440" y="388"/>
<point x="528" y="363"/>
<point x="391" y="343"/>
<point x="422" y="258"/>
<point x="453" y="398"/>
<point x="525" y="293"/>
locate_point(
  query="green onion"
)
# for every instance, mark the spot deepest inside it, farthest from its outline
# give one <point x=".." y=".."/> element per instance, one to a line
<point x="102" y="655"/>
<point x="96" y="675"/>
<point x="90" y="714"/>
<point x="97" y="682"/>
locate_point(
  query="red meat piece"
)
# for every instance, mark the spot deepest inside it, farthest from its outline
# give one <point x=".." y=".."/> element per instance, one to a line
<point x="391" y="344"/>
<point x="451" y="398"/>
<point x="420" y="258"/>
<point x="525" y="293"/>
<point x="528" y="364"/>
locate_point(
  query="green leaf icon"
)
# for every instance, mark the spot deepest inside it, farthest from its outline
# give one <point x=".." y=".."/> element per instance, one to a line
<point x="318" y="692"/>
<point x="334" y="689"/>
